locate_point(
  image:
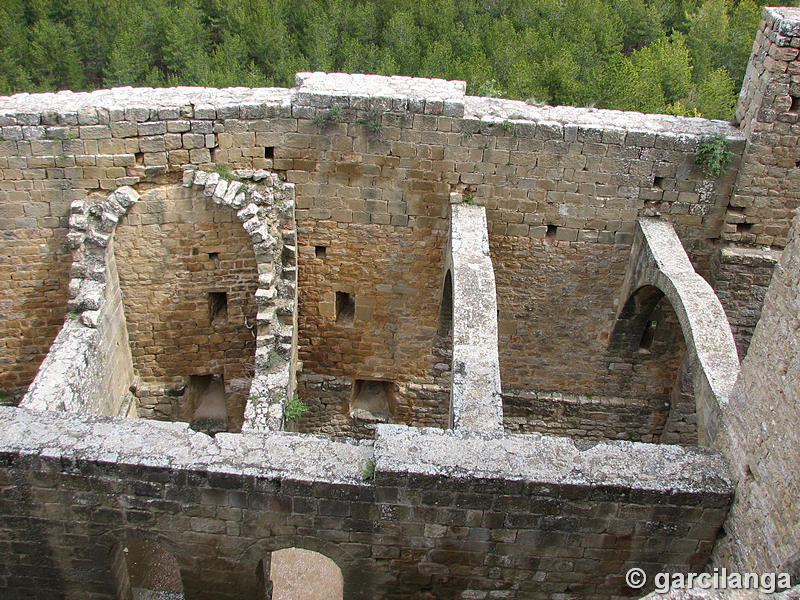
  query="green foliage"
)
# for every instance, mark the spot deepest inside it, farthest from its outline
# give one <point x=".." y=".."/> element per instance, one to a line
<point x="295" y="408"/>
<point x="224" y="171"/>
<point x="368" y="472"/>
<point x="716" y="97"/>
<point x="330" y="117"/>
<point x="630" y="54"/>
<point x="713" y="154"/>
<point x="372" y="121"/>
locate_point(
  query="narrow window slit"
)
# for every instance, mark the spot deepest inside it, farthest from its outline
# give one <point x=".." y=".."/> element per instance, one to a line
<point x="218" y="306"/>
<point x="649" y="334"/>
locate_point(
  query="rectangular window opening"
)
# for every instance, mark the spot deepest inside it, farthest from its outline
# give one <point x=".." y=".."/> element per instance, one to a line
<point x="269" y="152"/>
<point x="372" y="400"/>
<point x="795" y="107"/>
<point x="213" y="255"/>
<point x="551" y="231"/>
<point x="345" y="308"/>
<point x="743" y="227"/>
<point x="658" y="183"/>
<point x="205" y="397"/>
<point x="649" y="334"/>
<point x="319" y="251"/>
<point x="218" y="306"/>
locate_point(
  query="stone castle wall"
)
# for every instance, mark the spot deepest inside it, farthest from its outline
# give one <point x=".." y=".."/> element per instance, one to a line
<point x="373" y="175"/>
<point x="447" y="515"/>
<point x="566" y="184"/>
<point x="760" y="436"/>
<point x="351" y="291"/>
<point x="740" y="279"/>
<point x="767" y="190"/>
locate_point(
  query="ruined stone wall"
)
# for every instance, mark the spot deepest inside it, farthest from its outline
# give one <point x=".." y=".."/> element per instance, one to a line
<point x="525" y="517"/>
<point x="89" y="368"/>
<point x="768" y="188"/>
<point x="550" y="343"/>
<point x="590" y="417"/>
<point x="740" y="279"/>
<point x="35" y="269"/>
<point x="760" y="438"/>
<point x="394" y="274"/>
<point x="373" y="161"/>
<point x="62" y="149"/>
<point x="173" y="249"/>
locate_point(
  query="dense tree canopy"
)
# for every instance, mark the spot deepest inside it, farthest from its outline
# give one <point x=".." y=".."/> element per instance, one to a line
<point x="680" y="56"/>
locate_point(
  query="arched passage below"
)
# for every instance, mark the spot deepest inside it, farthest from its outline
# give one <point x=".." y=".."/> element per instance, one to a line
<point x="301" y="574"/>
<point x="659" y="266"/>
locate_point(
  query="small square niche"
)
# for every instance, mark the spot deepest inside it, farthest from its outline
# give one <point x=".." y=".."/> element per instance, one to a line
<point x="345" y="308"/>
<point x="319" y="251"/>
<point x="371" y="400"/>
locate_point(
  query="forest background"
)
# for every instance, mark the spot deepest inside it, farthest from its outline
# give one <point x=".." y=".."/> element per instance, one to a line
<point x="683" y="57"/>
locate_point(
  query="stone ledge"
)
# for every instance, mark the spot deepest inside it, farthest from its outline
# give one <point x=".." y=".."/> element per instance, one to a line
<point x="643" y="127"/>
<point x="551" y="460"/>
<point x="746" y="255"/>
<point x="379" y="86"/>
<point x="141" y="104"/>
<point x="141" y="442"/>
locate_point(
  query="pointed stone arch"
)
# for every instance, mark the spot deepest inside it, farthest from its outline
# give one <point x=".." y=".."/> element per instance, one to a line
<point x="659" y="267"/>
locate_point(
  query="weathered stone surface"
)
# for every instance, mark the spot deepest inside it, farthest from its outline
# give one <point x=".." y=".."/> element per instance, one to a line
<point x="760" y="434"/>
<point x="370" y="163"/>
<point x="475" y="401"/>
<point x="544" y="459"/>
<point x="229" y="501"/>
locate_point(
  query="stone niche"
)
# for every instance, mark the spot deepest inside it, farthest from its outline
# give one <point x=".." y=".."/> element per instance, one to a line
<point x="188" y="277"/>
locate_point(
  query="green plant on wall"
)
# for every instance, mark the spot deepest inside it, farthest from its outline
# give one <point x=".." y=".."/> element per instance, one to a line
<point x="368" y="472"/>
<point x="223" y="171"/>
<point x="295" y="408"/>
<point x="331" y="117"/>
<point x="372" y="121"/>
<point x="713" y="154"/>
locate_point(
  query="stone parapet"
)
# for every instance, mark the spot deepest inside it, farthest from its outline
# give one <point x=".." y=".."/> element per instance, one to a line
<point x="420" y="509"/>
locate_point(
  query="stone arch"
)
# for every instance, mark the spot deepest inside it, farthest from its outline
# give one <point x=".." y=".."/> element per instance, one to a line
<point x="256" y="559"/>
<point x="265" y="207"/>
<point x="658" y="267"/>
<point x="633" y="318"/>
